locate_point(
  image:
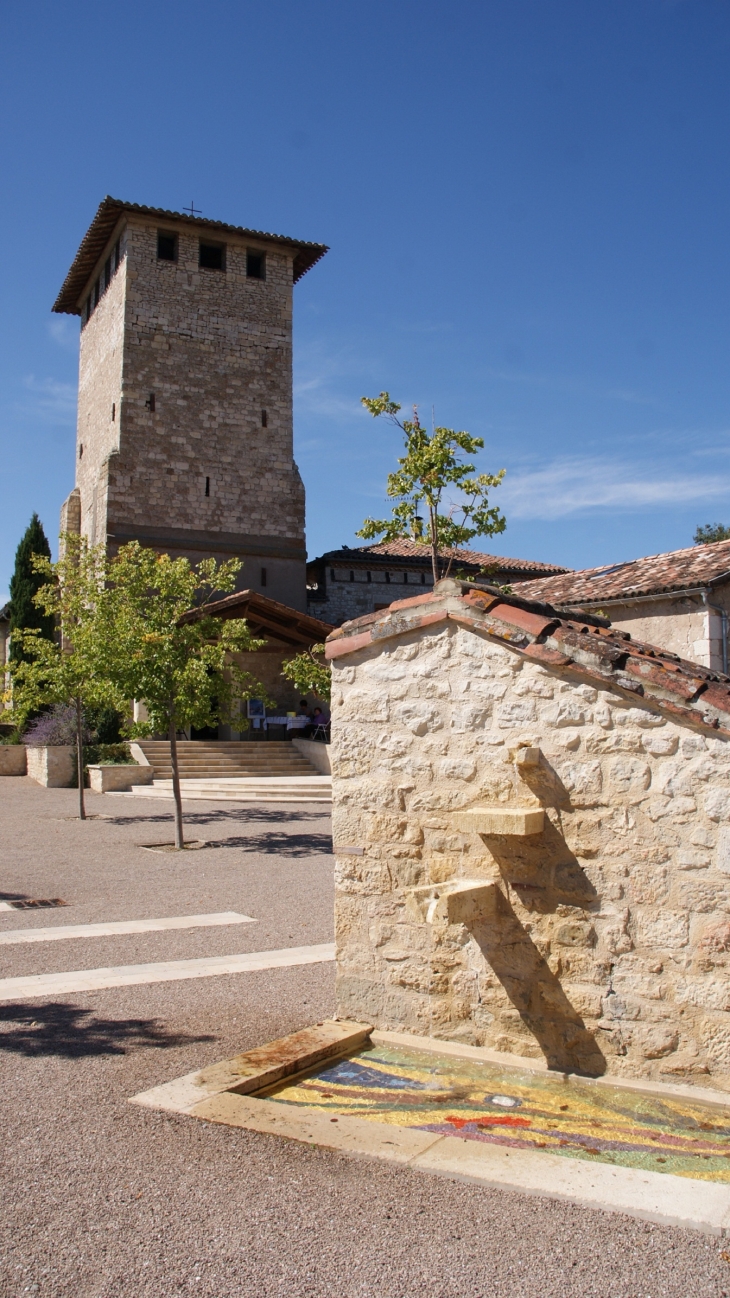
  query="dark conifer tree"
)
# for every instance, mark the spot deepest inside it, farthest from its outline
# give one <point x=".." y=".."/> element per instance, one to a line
<point x="24" y="583"/>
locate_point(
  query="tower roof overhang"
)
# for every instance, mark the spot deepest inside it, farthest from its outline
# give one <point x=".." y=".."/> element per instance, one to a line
<point x="102" y="227"/>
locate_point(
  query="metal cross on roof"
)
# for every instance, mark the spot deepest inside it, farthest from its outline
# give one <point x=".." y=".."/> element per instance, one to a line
<point x="193" y="210"/>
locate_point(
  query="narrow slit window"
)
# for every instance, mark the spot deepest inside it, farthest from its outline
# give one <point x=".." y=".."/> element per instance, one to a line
<point x="114" y="411"/>
<point x="256" y="265"/>
<point x="332" y="574"/>
<point x="150" y="403"/>
<point x="263" y="576"/>
<point x="96" y="294"/>
<point x="81" y="450"/>
<point x="387" y="577"/>
<point x="352" y="575"/>
<point x="423" y="579"/>
<point x="369" y="576"/>
<point x="166" y="246"/>
<point x="264" y="419"/>
<point x="207" y="486"/>
<point x="405" y="578"/>
<point x="212" y="256"/>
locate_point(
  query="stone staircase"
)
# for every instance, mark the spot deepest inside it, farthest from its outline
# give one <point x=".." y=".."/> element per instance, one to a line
<point x="234" y="771"/>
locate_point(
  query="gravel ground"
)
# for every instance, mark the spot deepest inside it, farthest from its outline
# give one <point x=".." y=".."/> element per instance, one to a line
<point x="101" y="1198"/>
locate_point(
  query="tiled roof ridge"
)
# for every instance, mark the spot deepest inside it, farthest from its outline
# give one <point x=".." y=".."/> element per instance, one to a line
<point x="406" y="549"/>
<point x="587" y="645"/>
<point x="652" y="574"/>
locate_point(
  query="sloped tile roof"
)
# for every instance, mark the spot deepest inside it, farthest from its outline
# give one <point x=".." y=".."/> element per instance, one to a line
<point x="411" y="553"/>
<point x="586" y="645"/>
<point x="266" y="617"/>
<point x="101" y="228"/>
<point x="698" y="565"/>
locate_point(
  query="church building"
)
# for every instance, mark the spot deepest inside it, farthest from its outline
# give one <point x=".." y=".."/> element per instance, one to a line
<point x="184" y="437"/>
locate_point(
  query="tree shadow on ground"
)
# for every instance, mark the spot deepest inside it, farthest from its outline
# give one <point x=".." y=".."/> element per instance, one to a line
<point x="243" y="815"/>
<point x="70" y="1032"/>
<point x="273" y="844"/>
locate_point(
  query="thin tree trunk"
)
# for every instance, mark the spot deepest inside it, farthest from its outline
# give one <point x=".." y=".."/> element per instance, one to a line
<point x="434" y="547"/>
<point x="179" y="842"/>
<point x="80" y="757"/>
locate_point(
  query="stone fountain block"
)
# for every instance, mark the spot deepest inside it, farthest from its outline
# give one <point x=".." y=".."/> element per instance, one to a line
<point x="458" y="901"/>
<point x="519" y="822"/>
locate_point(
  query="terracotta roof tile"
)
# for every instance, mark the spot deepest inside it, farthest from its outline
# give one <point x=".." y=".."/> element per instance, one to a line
<point x="407" y="551"/>
<point x="582" y="643"/>
<point x="698" y="565"/>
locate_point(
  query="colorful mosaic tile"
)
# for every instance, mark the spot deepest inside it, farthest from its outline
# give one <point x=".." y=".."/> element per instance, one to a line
<point x="508" y="1106"/>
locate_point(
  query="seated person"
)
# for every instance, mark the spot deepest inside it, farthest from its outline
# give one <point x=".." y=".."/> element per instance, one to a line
<point x="320" y="723"/>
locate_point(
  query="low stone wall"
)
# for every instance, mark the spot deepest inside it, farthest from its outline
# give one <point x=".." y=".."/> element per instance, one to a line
<point x="12" y="759"/>
<point x="118" y="779"/>
<point x="601" y="942"/>
<point x="52" y="767"/>
<point x="317" y="754"/>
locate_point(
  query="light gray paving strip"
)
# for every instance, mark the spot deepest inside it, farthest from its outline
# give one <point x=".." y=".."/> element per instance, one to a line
<point x="13" y="935"/>
<point x="58" y="984"/>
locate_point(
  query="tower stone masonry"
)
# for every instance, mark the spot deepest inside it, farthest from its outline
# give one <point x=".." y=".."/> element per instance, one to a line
<point x="185" y="429"/>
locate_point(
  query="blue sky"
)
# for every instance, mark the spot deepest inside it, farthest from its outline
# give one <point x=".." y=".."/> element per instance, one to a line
<point x="528" y="207"/>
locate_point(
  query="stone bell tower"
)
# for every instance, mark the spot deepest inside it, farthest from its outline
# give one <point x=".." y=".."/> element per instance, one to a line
<point x="184" y="439"/>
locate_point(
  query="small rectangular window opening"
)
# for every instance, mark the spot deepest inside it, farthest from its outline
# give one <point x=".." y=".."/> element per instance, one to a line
<point x="114" y="411"/>
<point x="369" y="576"/>
<point x="423" y="579"/>
<point x="150" y="403"/>
<point x="207" y="486"/>
<point x="263" y="576"/>
<point x="264" y="419"/>
<point x="332" y="574"/>
<point x="405" y="578"/>
<point x="387" y="577"/>
<point x="166" y="246"/>
<point x="256" y="265"/>
<point x="352" y="575"/>
<point x="212" y="256"/>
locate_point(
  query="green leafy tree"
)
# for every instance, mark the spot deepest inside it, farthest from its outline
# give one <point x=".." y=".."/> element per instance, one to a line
<point x="26" y="581"/>
<point x="172" y="654"/>
<point x="310" y="673"/>
<point x="710" y="533"/>
<point x="432" y="465"/>
<point x="80" y="667"/>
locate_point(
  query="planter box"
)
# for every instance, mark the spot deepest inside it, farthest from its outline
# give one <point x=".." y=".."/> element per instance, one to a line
<point x="12" y="759"/>
<point x="118" y="779"/>
<point x="53" y="767"/>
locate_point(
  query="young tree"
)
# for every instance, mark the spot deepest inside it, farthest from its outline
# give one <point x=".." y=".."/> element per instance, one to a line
<point x="433" y="463"/>
<point x="174" y="656"/>
<point x="79" y="667"/>
<point x="310" y="673"/>
<point x="26" y="581"/>
<point x="710" y="533"/>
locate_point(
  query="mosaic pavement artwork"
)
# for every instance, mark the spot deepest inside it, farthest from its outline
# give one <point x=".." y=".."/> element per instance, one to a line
<point x="499" y="1105"/>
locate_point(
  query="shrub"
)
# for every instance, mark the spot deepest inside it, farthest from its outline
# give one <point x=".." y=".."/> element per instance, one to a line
<point x="52" y="728"/>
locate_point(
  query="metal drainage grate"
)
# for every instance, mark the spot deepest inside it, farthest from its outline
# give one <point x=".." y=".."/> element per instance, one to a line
<point x="35" y="903"/>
